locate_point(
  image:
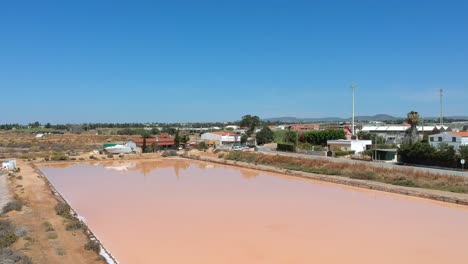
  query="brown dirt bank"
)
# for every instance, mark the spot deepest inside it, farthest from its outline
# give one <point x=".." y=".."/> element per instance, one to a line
<point x="444" y="196"/>
<point x="45" y="243"/>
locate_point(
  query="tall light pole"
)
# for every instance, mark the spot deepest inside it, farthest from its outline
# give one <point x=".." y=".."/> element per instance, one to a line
<point x="441" y="116"/>
<point x="353" y="87"/>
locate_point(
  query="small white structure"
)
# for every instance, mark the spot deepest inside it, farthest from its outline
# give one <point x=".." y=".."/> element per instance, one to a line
<point x="455" y="139"/>
<point x="9" y="164"/>
<point x="222" y="138"/>
<point x="349" y="144"/>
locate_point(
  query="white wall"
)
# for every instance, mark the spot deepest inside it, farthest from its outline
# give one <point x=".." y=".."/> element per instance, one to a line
<point x="9" y="164"/>
<point x="360" y="145"/>
<point x="447" y="139"/>
<point x="357" y="145"/>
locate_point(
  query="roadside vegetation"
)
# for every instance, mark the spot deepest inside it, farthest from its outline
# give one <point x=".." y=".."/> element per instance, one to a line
<point x="402" y="177"/>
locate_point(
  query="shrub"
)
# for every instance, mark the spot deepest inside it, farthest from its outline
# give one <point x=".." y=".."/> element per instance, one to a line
<point x="8" y="255"/>
<point x="169" y="153"/>
<point x="110" y="156"/>
<point x="7" y="234"/>
<point x="344" y="153"/>
<point x="63" y="210"/>
<point x="12" y="206"/>
<point x="220" y="155"/>
<point x="48" y="226"/>
<point x="59" y="157"/>
<point x="93" y="245"/>
<point x="52" y="235"/>
<point x="286" y="147"/>
<point x="74" y="224"/>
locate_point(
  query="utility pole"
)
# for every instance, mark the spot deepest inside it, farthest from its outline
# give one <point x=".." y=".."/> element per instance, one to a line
<point x="441" y="116"/>
<point x="353" y="87"/>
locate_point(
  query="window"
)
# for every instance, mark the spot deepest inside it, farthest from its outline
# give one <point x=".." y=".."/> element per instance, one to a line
<point x="440" y="138"/>
<point x="454" y="139"/>
<point x="431" y="139"/>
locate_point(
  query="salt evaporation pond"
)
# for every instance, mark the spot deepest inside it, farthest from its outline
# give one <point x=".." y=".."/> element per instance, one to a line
<point x="178" y="211"/>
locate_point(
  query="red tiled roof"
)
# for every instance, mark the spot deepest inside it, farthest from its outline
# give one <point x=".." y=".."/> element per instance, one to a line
<point x="166" y="142"/>
<point x="149" y="141"/>
<point x="461" y="134"/>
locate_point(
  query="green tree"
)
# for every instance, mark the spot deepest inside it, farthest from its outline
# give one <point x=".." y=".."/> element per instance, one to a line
<point x="251" y="122"/>
<point x="463" y="150"/>
<point x="290" y="137"/>
<point x="177" y="139"/>
<point x="244" y="138"/>
<point x="265" y="136"/>
<point x="184" y="138"/>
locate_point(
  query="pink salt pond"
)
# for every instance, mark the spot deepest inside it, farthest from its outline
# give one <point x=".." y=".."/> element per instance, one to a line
<point x="175" y="211"/>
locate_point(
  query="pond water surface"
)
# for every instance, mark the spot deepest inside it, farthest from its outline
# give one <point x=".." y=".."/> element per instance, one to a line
<point x="179" y="211"/>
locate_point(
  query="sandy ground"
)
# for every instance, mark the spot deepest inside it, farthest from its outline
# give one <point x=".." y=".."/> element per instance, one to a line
<point x="68" y="247"/>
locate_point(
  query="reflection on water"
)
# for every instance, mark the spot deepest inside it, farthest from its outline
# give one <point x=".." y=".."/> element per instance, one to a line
<point x="178" y="211"/>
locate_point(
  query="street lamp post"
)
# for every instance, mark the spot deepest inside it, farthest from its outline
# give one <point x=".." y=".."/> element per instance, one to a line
<point x="353" y="87"/>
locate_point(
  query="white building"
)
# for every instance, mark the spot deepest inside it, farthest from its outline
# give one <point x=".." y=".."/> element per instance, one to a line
<point x="455" y="139"/>
<point x="9" y="164"/>
<point x="349" y="144"/>
<point x="394" y="134"/>
<point x="222" y="138"/>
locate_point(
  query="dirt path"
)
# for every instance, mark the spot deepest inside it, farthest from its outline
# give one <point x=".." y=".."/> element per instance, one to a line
<point x="40" y="245"/>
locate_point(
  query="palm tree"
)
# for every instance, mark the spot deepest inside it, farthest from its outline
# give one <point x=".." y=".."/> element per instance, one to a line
<point x="412" y="132"/>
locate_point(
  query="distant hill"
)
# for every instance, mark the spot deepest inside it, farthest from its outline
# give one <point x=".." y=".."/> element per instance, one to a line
<point x="379" y="117"/>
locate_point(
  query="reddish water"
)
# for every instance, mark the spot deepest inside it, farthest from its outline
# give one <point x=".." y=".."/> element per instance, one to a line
<point x="177" y="211"/>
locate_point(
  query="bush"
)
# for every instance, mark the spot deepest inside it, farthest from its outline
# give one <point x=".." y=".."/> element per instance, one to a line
<point x="52" y="235"/>
<point x="110" y="156"/>
<point x="59" y="157"/>
<point x="320" y="137"/>
<point x="7" y="234"/>
<point x="344" y="153"/>
<point x="9" y="255"/>
<point x="286" y="147"/>
<point x="12" y="206"/>
<point x="93" y="245"/>
<point x="63" y="210"/>
<point x="220" y="155"/>
<point x="74" y="224"/>
<point x="48" y="226"/>
<point x="169" y="153"/>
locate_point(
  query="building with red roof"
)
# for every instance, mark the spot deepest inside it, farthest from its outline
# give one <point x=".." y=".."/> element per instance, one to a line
<point x="455" y="139"/>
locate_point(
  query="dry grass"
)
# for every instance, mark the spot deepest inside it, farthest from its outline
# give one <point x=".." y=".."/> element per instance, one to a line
<point x="26" y="146"/>
<point x="395" y="176"/>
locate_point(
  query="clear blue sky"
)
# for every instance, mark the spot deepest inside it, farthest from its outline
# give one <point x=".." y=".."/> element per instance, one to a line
<point x="178" y="61"/>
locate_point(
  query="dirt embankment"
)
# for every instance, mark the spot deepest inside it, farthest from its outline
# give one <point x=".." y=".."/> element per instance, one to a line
<point x="47" y="240"/>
